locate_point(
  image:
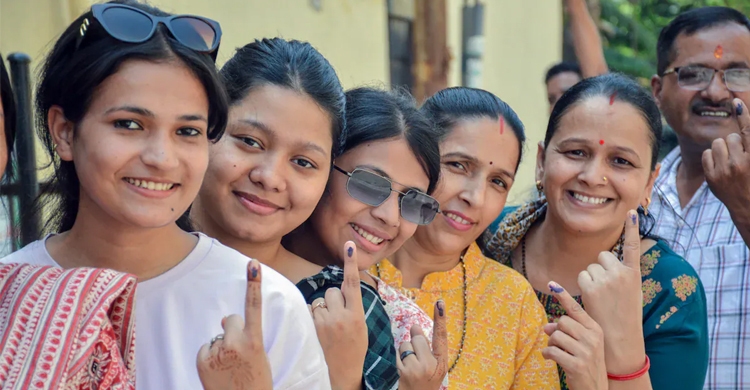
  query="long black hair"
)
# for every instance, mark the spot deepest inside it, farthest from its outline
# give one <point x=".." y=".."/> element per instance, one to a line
<point x="620" y="88"/>
<point x="451" y="105"/>
<point x="9" y="110"/>
<point x="373" y="115"/>
<point x="290" y="64"/>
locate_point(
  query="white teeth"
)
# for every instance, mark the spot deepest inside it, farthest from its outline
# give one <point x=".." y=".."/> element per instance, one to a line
<point x="590" y="200"/>
<point x="720" y="114"/>
<point x="457" y="219"/>
<point x="150" y="185"/>
<point x="369" y="237"/>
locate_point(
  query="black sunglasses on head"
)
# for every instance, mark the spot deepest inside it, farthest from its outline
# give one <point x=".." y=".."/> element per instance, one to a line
<point x="130" y="24"/>
<point x="373" y="189"/>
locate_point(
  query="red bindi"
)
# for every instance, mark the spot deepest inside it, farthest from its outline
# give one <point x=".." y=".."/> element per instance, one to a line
<point x="490" y="162"/>
<point x="719" y="52"/>
<point x="601" y="142"/>
<point x="502" y="125"/>
<point x="612" y="98"/>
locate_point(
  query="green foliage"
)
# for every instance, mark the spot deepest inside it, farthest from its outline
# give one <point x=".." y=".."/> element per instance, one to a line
<point x="630" y="30"/>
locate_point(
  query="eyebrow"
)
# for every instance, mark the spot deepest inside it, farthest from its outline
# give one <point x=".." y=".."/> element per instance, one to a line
<point x="585" y="141"/>
<point x="148" y="113"/>
<point x="385" y="175"/>
<point x="735" y="64"/>
<point x="272" y="134"/>
<point x="475" y="161"/>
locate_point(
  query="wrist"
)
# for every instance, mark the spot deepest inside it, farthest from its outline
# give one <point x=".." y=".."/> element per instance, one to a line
<point x="633" y="375"/>
<point x="624" y="364"/>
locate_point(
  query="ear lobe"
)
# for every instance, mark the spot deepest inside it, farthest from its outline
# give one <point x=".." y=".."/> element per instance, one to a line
<point x="61" y="130"/>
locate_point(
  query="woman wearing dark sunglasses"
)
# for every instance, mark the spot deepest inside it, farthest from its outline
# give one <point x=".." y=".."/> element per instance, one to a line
<point x="376" y="197"/>
<point x="128" y="101"/>
<point x="495" y="329"/>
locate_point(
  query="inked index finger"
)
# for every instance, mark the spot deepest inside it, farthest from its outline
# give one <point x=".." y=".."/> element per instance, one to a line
<point x="440" y="337"/>
<point x="350" y="288"/>
<point x="254" y="301"/>
<point x="631" y="249"/>
<point x="743" y="120"/>
<point x="571" y="306"/>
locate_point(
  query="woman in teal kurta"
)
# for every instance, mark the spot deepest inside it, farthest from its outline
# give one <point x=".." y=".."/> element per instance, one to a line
<point x="597" y="162"/>
<point x="675" y="325"/>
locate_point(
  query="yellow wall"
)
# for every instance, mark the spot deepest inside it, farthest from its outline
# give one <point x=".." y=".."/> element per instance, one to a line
<point x="522" y="38"/>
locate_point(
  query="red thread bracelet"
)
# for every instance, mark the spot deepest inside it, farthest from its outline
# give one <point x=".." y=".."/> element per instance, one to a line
<point x="632" y="376"/>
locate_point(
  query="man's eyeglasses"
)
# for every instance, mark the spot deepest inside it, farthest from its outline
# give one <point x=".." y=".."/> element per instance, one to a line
<point x="373" y="189"/>
<point x="698" y="78"/>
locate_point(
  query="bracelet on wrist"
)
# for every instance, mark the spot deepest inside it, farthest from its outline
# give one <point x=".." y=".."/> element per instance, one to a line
<point x="635" y="375"/>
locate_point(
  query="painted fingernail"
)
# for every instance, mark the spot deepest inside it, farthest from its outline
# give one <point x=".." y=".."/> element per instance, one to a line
<point x="252" y="270"/>
<point x="633" y="216"/>
<point x="739" y="108"/>
<point x="441" y="308"/>
<point x="350" y="251"/>
<point x="555" y="288"/>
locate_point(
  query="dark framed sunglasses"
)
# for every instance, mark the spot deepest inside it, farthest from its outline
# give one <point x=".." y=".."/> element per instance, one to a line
<point x="373" y="189"/>
<point x="130" y="24"/>
<point x="698" y="78"/>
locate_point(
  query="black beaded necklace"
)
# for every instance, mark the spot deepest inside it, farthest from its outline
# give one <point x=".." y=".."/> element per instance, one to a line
<point x="466" y="299"/>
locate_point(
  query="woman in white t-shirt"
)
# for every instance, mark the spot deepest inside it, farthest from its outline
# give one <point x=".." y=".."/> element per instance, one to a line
<point x="128" y="101"/>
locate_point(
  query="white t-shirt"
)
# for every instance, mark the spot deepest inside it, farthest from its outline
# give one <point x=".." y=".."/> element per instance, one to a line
<point x="180" y="310"/>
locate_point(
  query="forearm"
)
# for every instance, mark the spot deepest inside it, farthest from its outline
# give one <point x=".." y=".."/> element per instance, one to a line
<point x="586" y="40"/>
<point x="742" y="222"/>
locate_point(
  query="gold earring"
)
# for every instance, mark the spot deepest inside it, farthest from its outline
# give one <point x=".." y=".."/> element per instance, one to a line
<point x="648" y="203"/>
<point x="539" y="186"/>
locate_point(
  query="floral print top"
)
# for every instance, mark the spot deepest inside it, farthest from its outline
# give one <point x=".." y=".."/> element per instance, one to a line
<point x="675" y="321"/>
<point x="405" y="313"/>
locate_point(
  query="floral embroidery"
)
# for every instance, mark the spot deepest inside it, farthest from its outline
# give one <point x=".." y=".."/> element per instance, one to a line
<point x="684" y="286"/>
<point x="666" y="316"/>
<point x="650" y="288"/>
<point x="648" y="262"/>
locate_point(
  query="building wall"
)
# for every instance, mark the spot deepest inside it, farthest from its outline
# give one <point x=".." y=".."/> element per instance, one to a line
<point x="522" y="38"/>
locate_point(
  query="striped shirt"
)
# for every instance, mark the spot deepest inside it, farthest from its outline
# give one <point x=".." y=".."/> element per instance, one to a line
<point x="704" y="232"/>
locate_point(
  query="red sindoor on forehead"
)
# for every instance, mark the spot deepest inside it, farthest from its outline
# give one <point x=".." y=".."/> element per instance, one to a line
<point x="612" y="98"/>
<point x="719" y="52"/>
<point x="502" y="125"/>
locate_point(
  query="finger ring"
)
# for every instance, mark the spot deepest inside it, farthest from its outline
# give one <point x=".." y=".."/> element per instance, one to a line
<point x="320" y="304"/>
<point x="215" y="339"/>
<point x="407" y="353"/>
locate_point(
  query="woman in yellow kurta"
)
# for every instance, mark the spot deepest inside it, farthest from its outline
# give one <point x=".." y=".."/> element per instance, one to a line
<point x="495" y="322"/>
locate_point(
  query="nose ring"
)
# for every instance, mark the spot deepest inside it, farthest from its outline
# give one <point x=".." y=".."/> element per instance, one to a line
<point x="604" y="178"/>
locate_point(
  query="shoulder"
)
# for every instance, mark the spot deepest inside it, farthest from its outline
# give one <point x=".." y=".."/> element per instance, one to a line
<point x="508" y="286"/>
<point x="668" y="278"/>
<point x="35" y="253"/>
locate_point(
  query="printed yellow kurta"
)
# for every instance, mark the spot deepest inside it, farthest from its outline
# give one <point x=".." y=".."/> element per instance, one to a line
<point x="504" y="335"/>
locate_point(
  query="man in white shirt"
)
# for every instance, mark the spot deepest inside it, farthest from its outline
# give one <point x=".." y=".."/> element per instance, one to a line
<point x="701" y="199"/>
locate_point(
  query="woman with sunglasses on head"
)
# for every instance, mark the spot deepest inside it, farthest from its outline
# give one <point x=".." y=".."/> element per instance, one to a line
<point x="268" y="172"/>
<point x="376" y="197"/>
<point x="645" y="308"/>
<point x="495" y="329"/>
<point x="128" y="102"/>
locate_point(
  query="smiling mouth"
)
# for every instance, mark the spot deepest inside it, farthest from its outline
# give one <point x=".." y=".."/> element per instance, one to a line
<point x="367" y="236"/>
<point x="589" y="199"/>
<point x="150" y="185"/>
<point x="457" y="218"/>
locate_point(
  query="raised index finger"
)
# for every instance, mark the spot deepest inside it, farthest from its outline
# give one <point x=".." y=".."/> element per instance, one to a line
<point x="743" y="120"/>
<point x="571" y="306"/>
<point x="254" y="301"/>
<point x="631" y="249"/>
<point x="350" y="288"/>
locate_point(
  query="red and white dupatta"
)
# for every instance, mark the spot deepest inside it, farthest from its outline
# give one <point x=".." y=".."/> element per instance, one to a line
<point x="66" y="329"/>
